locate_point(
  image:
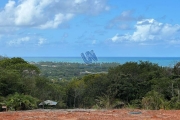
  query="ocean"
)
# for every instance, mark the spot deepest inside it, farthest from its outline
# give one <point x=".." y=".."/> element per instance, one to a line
<point x="161" y="61"/>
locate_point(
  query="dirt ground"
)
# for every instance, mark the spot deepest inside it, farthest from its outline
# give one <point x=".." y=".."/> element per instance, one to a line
<point x="89" y="114"/>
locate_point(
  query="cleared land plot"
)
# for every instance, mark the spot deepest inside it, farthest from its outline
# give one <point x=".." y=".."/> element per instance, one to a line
<point x="89" y="114"/>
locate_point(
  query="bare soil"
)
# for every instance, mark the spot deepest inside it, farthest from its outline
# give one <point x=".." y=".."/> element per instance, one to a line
<point x="91" y="114"/>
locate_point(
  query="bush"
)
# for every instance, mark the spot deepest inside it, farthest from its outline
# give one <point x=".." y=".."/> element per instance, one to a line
<point x="153" y="100"/>
<point x="21" y="102"/>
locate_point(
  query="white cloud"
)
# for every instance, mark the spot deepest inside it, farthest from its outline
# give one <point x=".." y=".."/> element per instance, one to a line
<point x="18" y="41"/>
<point x="150" y="30"/>
<point x="58" y="19"/>
<point x="27" y="12"/>
<point x="7" y="15"/>
<point x="118" y="37"/>
<point x="41" y="41"/>
<point x="47" y="13"/>
<point x="115" y="38"/>
<point x="27" y="40"/>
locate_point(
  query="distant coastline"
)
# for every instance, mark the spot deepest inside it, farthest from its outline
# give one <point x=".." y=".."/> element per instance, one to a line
<point x="161" y="61"/>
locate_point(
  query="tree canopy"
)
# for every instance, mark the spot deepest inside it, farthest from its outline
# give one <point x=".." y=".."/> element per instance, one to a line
<point x="135" y="84"/>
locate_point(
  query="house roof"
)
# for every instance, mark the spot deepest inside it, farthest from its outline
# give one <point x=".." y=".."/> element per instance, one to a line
<point x="48" y="102"/>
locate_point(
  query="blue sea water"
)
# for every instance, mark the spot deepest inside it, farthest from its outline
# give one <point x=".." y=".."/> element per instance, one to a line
<point x="161" y="61"/>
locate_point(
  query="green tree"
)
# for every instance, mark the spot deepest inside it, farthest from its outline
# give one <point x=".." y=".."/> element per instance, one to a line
<point x="10" y="82"/>
<point x="95" y="86"/>
<point x="75" y="90"/>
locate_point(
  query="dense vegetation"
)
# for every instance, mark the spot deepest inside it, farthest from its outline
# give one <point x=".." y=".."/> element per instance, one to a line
<point x="133" y="84"/>
<point x="66" y="71"/>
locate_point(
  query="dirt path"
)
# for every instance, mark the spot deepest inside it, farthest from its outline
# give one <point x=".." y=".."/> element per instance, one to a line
<point x="81" y="114"/>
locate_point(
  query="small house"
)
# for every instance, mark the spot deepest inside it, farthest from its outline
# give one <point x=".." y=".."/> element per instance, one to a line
<point x="48" y="103"/>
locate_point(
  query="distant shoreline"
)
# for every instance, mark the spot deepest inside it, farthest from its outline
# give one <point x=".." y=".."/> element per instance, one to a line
<point x="161" y="61"/>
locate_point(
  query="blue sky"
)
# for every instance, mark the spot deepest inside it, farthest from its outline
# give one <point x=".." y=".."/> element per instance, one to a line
<point x="65" y="28"/>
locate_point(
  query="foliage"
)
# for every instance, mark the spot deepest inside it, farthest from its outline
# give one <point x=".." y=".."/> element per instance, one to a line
<point x="73" y="85"/>
<point x="75" y="90"/>
<point x="153" y="100"/>
<point x="57" y="71"/>
<point x="21" y="102"/>
<point x="108" y="102"/>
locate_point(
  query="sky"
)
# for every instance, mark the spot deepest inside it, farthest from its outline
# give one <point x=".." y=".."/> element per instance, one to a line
<point x="111" y="28"/>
